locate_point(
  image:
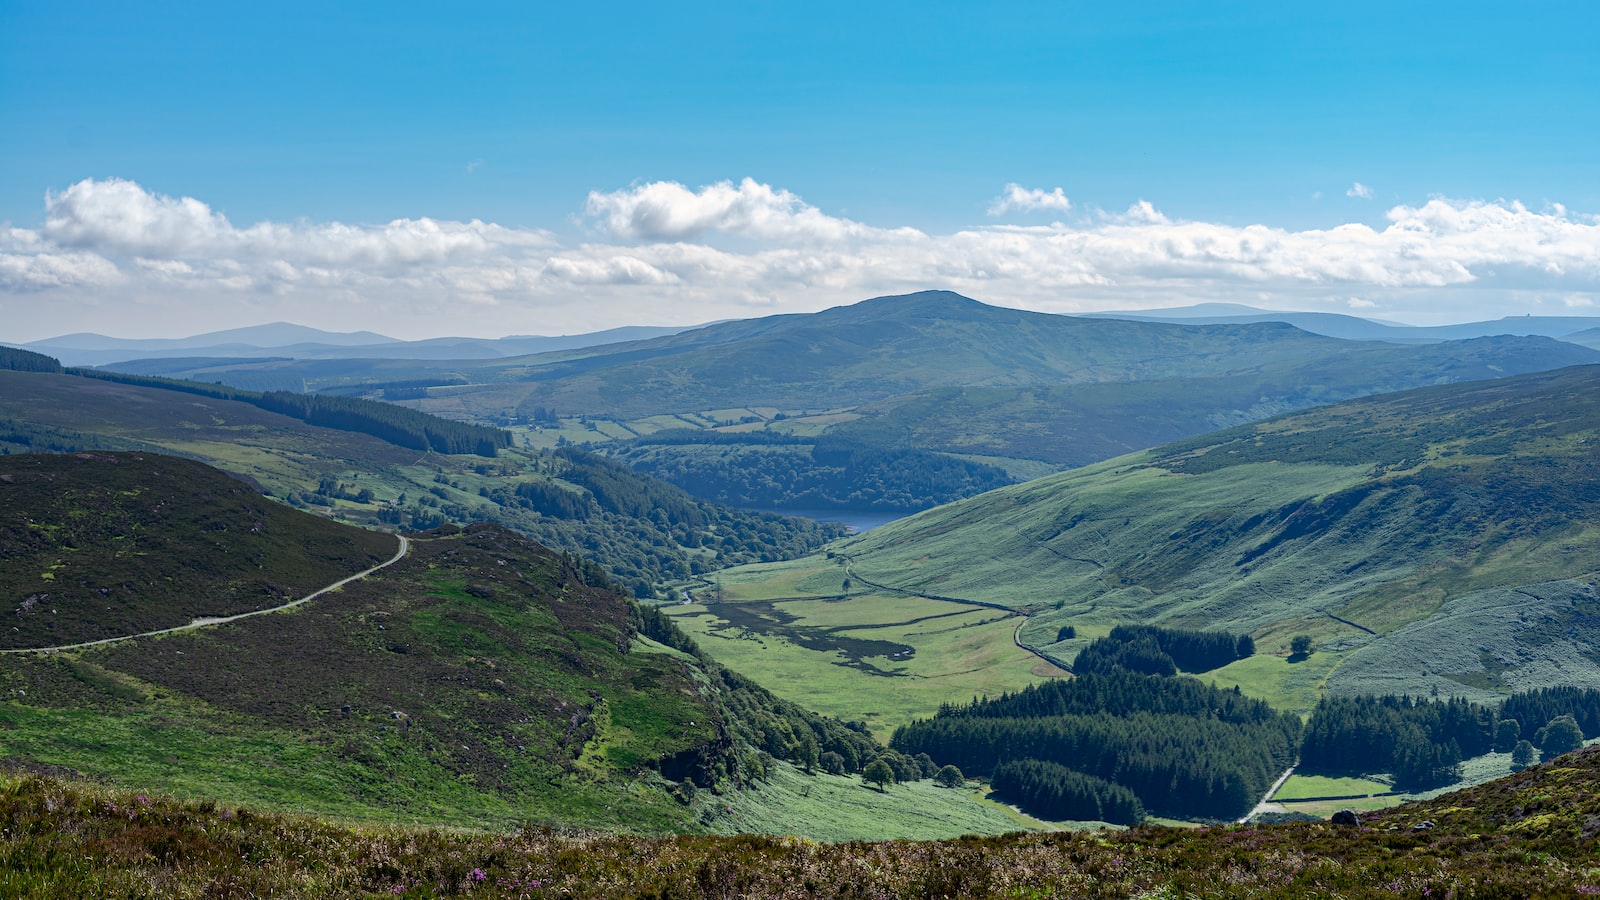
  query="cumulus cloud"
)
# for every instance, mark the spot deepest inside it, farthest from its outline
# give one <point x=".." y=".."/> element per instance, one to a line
<point x="656" y="254"/>
<point x="1016" y="198"/>
<point x="1359" y="191"/>
<point x="121" y="218"/>
<point x="667" y="210"/>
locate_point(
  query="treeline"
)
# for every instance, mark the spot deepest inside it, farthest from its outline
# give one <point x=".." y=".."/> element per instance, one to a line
<point x="398" y="425"/>
<point x="17" y="359"/>
<point x="1422" y="741"/>
<point x="679" y="437"/>
<point x="644" y="530"/>
<point x="1056" y="792"/>
<point x="763" y="469"/>
<point x="1154" y="650"/>
<point x="1182" y="748"/>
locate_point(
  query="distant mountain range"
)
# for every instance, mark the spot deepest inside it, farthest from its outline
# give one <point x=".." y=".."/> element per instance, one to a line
<point x="283" y="340"/>
<point x="927" y="372"/>
<point x="1362" y="329"/>
<point x="286" y="340"/>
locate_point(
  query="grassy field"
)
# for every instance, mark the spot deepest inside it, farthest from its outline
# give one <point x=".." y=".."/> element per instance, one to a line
<point x="1289" y="686"/>
<point x="842" y="808"/>
<point x="848" y="658"/>
<point x="812" y="576"/>
<point x="1303" y="787"/>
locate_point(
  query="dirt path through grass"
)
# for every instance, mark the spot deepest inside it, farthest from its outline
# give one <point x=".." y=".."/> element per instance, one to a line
<point x="206" y="622"/>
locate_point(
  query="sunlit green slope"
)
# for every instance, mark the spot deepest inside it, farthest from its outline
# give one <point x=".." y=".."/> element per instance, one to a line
<point x="1441" y="538"/>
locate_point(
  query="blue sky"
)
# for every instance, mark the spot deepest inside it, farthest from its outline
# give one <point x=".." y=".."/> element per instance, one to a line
<point x="561" y="130"/>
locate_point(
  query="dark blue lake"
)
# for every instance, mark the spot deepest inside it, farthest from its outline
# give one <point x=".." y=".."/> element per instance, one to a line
<point x="856" y="520"/>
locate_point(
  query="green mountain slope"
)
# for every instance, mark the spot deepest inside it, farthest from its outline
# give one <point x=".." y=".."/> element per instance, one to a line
<point x="1393" y="531"/>
<point x="896" y="345"/>
<point x="1527" y="835"/>
<point x="643" y="531"/>
<point x="1078" y="424"/>
<point x="893" y="346"/>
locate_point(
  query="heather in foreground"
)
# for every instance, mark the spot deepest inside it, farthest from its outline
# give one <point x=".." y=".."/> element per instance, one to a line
<point x="1533" y="834"/>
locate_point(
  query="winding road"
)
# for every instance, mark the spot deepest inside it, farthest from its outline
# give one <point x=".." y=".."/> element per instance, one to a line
<point x="405" y="547"/>
<point x="1266" y="802"/>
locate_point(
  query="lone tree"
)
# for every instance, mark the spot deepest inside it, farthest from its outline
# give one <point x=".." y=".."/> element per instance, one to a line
<point x="879" y="773"/>
<point x="949" y="777"/>
<point x="1522" y="755"/>
<point x="1300" y="646"/>
<point x="1066" y="633"/>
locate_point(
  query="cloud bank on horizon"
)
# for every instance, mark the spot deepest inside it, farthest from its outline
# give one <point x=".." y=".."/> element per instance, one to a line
<point x="113" y="257"/>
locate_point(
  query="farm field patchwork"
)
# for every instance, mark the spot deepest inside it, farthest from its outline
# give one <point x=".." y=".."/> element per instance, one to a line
<point x="880" y="659"/>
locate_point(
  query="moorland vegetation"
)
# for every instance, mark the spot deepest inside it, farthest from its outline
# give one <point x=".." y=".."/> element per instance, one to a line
<point x="1526" y="835"/>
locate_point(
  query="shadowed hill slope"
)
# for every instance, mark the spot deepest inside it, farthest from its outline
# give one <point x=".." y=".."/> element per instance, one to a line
<point x="480" y="679"/>
<point x="98" y="545"/>
<point x="899" y="345"/>
<point x="642" y="530"/>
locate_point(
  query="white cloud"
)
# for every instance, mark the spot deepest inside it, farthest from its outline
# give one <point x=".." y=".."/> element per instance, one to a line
<point x="1359" y="191"/>
<point x="655" y="257"/>
<point x="118" y="217"/>
<point x="666" y="210"/>
<point x="1016" y="198"/>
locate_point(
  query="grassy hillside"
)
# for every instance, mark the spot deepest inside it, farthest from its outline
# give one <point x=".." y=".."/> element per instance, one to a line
<point x="94" y="545"/>
<point x="642" y="530"/>
<point x="896" y="346"/>
<point x="1528" y="835"/>
<point x="1079" y="424"/>
<point x="1392" y="531"/>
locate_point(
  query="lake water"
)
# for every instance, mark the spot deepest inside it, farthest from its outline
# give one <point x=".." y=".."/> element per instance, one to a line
<point x="856" y="520"/>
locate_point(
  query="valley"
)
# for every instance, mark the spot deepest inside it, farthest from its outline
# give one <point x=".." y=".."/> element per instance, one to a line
<point x="856" y="451"/>
<point x="1423" y="543"/>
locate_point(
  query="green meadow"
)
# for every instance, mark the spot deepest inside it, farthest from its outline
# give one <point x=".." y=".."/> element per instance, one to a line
<point x="884" y="660"/>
